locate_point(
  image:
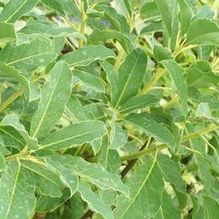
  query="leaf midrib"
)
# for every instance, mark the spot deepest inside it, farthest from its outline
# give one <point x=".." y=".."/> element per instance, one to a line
<point x="15" y="12"/>
<point x="12" y="136"/>
<point x="66" y="139"/>
<point x="13" y="190"/>
<point x="142" y="185"/>
<point x="89" y="60"/>
<point x="29" y="57"/>
<point x="38" y="173"/>
<point x="126" y="84"/>
<point x="49" y="102"/>
<point x="203" y="35"/>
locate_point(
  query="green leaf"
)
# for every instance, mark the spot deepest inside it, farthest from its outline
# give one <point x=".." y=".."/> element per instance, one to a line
<point x="203" y="164"/>
<point x="77" y="111"/>
<point x="177" y="74"/>
<point x="28" y="56"/>
<point x="146" y="188"/>
<point x="96" y="145"/>
<point x="169" y="13"/>
<point x="168" y="210"/>
<point x="65" y="7"/>
<point x="87" y="55"/>
<point x="151" y="27"/>
<point x="38" y="174"/>
<point x="205" y="12"/>
<point x="103" y="35"/>
<point x="138" y="102"/>
<point x="111" y="76"/>
<point x="122" y="7"/>
<point x="152" y="128"/>
<point x="161" y="53"/>
<point x="14" y="9"/>
<point x="10" y="73"/>
<point x="17" y="198"/>
<point x="94" y="201"/>
<point x="171" y="172"/>
<point x="57" y="89"/>
<point x="211" y="208"/>
<point x="185" y="15"/>
<point x="95" y="173"/>
<point x="49" y="29"/>
<point x="79" y="206"/>
<point x="48" y="204"/>
<point x="207" y="35"/>
<point x="7" y="33"/>
<point x="200" y="75"/>
<point x="203" y="111"/>
<point x="91" y="81"/>
<point x="12" y="138"/>
<point x="103" y="157"/>
<point x="117" y="21"/>
<point x="2" y="162"/>
<point x="67" y="176"/>
<point x="130" y="77"/>
<point x="74" y="135"/>
<point x="12" y="120"/>
<point x="149" y="10"/>
<point x="118" y="136"/>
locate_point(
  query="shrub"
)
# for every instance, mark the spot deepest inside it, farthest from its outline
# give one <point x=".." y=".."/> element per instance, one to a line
<point x="109" y="109"/>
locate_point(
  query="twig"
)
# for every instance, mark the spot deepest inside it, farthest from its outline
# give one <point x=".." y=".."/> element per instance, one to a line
<point x="143" y="152"/>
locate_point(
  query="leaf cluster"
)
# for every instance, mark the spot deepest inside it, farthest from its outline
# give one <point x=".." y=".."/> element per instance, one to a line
<point x="109" y="109"/>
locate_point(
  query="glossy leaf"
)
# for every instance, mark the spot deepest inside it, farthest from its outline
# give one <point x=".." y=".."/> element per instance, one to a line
<point x="46" y="180"/>
<point x="95" y="173"/>
<point x="100" y="36"/>
<point x="67" y="176"/>
<point x="177" y="75"/>
<point x="58" y="88"/>
<point x="118" y="136"/>
<point x="28" y="56"/>
<point x="14" y="9"/>
<point x="152" y="128"/>
<point x="48" y="29"/>
<point x="91" y="81"/>
<point x="74" y="135"/>
<point x="66" y="7"/>
<point x="207" y="35"/>
<point x="17" y="197"/>
<point x="7" y="33"/>
<point x="138" y="102"/>
<point x="171" y="172"/>
<point x="130" y="76"/>
<point x="13" y="121"/>
<point x="168" y="210"/>
<point x="147" y="190"/>
<point x="87" y="55"/>
<point x="94" y="202"/>
<point x="185" y="15"/>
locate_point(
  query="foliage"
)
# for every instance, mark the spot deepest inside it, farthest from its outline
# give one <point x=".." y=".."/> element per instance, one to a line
<point x="109" y="109"/>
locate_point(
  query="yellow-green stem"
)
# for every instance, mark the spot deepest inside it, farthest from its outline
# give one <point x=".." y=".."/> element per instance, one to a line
<point x="201" y="132"/>
<point x="143" y="152"/>
<point x="153" y="81"/>
<point x="171" y="102"/>
<point x="83" y="23"/>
